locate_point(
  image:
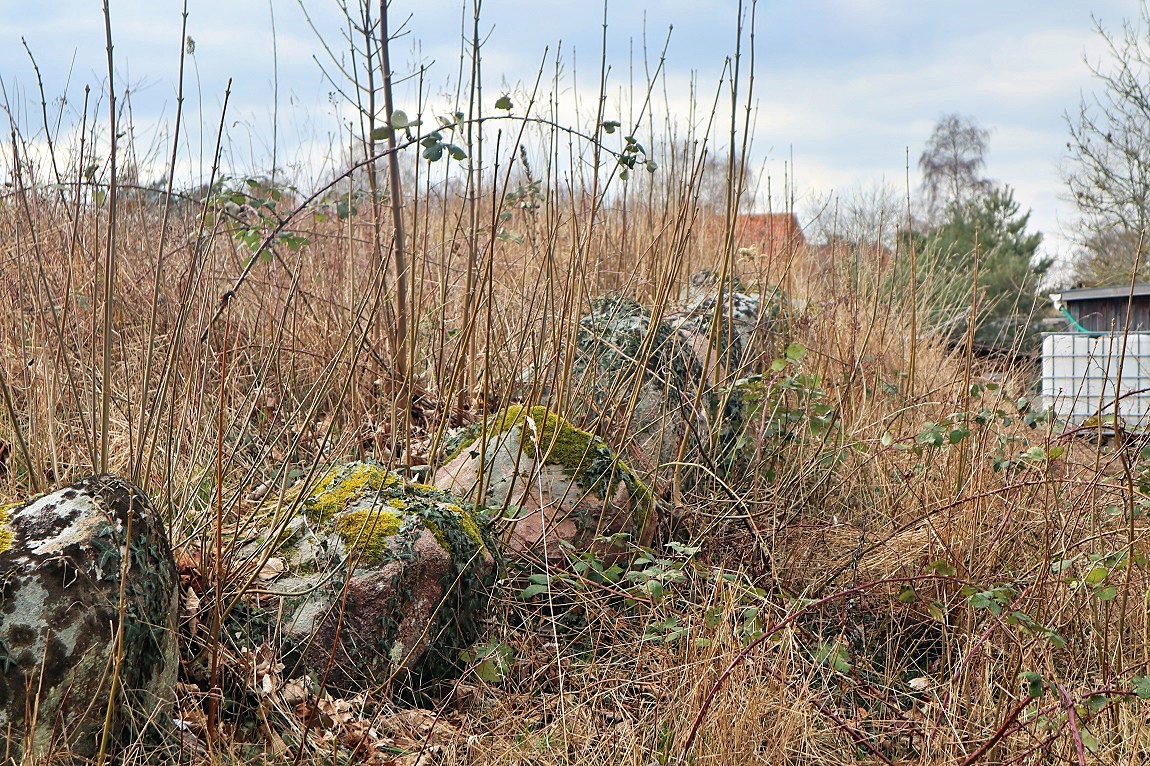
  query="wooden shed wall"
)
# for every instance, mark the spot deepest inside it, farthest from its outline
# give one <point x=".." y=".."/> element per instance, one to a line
<point x="1105" y="314"/>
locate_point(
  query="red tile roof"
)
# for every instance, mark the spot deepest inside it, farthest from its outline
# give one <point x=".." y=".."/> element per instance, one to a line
<point x="770" y="232"/>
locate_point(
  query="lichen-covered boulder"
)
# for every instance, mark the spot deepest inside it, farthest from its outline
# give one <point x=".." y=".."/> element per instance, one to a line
<point x="557" y="483"/>
<point x="392" y="578"/>
<point x="636" y="377"/>
<point x="72" y="611"/>
<point x="728" y="327"/>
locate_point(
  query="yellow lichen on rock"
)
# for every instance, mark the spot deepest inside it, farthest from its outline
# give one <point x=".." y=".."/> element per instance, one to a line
<point x="344" y="484"/>
<point x="6" y="536"/>
<point x="469" y="526"/>
<point x="366" y="532"/>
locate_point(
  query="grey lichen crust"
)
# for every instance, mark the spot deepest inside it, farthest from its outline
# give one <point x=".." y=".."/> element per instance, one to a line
<point x="612" y="345"/>
<point x="731" y="319"/>
<point x="624" y="363"/>
<point x="61" y="600"/>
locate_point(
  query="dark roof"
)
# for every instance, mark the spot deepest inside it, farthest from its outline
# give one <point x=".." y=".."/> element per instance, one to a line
<point x="1101" y="293"/>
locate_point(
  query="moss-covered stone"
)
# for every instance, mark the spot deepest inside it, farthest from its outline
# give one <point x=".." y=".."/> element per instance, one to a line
<point x="66" y="600"/>
<point x="636" y="380"/>
<point x="730" y="326"/>
<point x="409" y="568"/>
<point x="565" y="484"/>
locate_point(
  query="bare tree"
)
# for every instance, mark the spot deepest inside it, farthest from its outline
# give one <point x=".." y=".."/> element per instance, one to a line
<point x="1108" y="170"/>
<point x="868" y="215"/>
<point x="952" y="164"/>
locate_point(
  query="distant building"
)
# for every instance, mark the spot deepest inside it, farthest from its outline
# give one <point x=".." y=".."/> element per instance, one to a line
<point x="1102" y="309"/>
<point x="770" y="233"/>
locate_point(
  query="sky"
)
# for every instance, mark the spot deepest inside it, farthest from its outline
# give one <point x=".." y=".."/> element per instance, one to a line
<point x="844" y="91"/>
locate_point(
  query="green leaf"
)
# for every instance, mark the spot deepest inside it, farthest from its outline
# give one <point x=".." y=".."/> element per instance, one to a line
<point x="456" y="152"/>
<point x="1035" y="684"/>
<point x="399" y="119"/>
<point x="504" y="103"/>
<point x="906" y="595"/>
<point x="1096" y="702"/>
<point x="624" y="174"/>
<point x="494" y="660"/>
<point x="796" y="352"/>
<point x="958" y="434"/>
<point x="531" y="591"/>
<point x="609" y="126"/>
<point x="1096" y="575"/>
<point x="1141" y="686"/>
<point x="382" y="134"/>
<point x="834" y="655"/>
<point x="434" y="152"/>
<point x="651" y="166"/>
<point x="1106" y="594"/>
<point x="942" y="568"/>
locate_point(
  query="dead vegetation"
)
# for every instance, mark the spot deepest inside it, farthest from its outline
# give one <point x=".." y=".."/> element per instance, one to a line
<point x="908" y="562"/>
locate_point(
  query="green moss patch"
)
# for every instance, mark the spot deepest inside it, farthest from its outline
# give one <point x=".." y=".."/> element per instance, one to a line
<point x="343" y="485"/>
<point x="7" y="539"/>
<point x="366" y="533"/>
<point x="366" y="504"/>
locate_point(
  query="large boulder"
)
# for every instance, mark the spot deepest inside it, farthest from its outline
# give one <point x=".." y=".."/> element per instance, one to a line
<point x="636" y="378"/>
<point x="558" y="483"/>
<point x="388" y="578"/>
<point x="728" y="326"/>
<point x="73" y="611"/>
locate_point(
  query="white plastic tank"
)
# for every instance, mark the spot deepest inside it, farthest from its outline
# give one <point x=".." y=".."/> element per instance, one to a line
<point x="1083" y="373"/>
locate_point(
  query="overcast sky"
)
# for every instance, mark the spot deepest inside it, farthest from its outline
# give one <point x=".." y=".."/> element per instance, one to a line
<point x="846" y="87"/>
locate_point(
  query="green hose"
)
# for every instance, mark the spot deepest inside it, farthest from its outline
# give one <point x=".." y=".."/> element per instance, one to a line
<point x="1073" y="321"/>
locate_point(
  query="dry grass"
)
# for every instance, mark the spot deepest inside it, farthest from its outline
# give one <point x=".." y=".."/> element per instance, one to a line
<point x="858" y="592"/>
